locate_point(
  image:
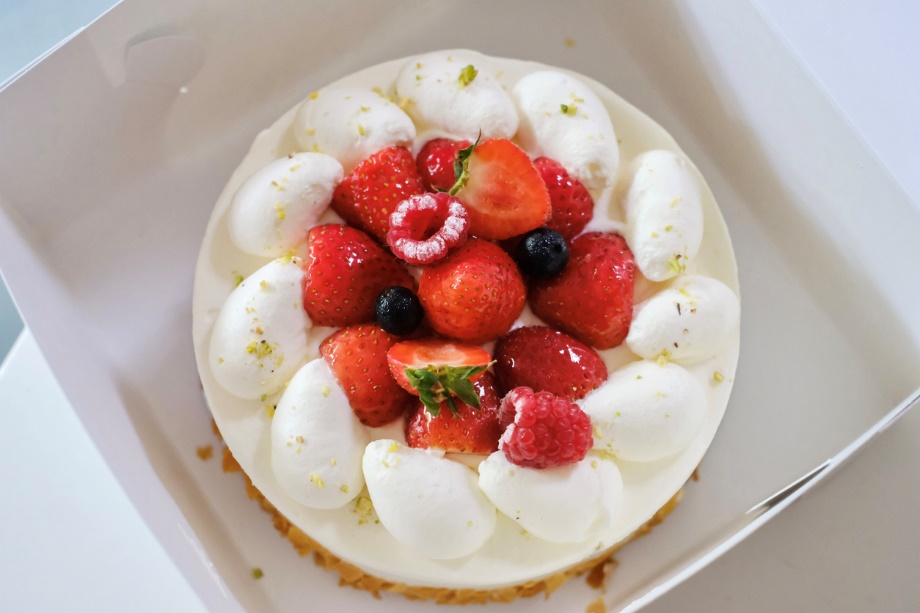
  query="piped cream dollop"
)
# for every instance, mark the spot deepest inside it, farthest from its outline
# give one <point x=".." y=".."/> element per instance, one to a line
<point x="692" y="320"/>
<point x="664" y="214"/>
<point x="456" y="94"/>
<point x="260" y="336"/>
<point x="272" y="210"/>
<point x="428" y="503"/>
<point x="317" y="442"/>
<point x="563" y="119"/>
<point x="646" y="411"/>
<point x="561" y="505"/>
<point x="350" y="124"/>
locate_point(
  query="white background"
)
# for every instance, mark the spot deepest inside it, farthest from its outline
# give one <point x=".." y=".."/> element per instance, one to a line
<point x="70" y="540"/>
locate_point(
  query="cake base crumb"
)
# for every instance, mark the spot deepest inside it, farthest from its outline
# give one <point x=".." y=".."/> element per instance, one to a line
<point x="596" y="606"/>
<point x="354" y="577"/>
<point x="204" y="452"/>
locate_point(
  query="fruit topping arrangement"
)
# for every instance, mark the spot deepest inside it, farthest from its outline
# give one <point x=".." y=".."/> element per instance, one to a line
<point x="462" y="305"/>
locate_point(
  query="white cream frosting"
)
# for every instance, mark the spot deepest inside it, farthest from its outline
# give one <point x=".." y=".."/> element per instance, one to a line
<point x="689" y="321"/>
<point x="273" y="208"/>
<point x="317" y="442"/>
<point x="427" y="502"/>
<point x="580" y="137"/>
<point x="436" y="99"/>
<point x="664" y="218"/>
<point x="507" y="557"/>
<point x="559" y="505"/>
<point x="646" y="411"/>
<point x="260" y="336"/>
<point x="350" y="124"/>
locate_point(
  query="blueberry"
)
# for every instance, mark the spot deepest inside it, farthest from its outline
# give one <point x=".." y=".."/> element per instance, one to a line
<point x="398" y="311"/>
<point x="542" y="253"/>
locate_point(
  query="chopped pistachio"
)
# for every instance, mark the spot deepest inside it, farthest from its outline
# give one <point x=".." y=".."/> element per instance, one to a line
<point x="568" y="109"/>
<point x="314" y="95"/>
<point x="467" y="75"/>
<point x="315" y="479"/>
<point x="664" y="358"/>
<point x="257" y="573"/>
<point x="269" y="410"/>
<point x="361" y="130"/>
<point x="237" y="279"/>
<point x="718" y="377"/>
<point x="364" y="109"/>
<point x="280" y="211"/>
<point x="263" y="284"/>
<point x="394" y="447"/>
<point x="668" y="228"/>
<point x="325" y="391"/>
<point x="344" y="488"/>
<point x="593" y="463"/>
<point x="220" y="360"/>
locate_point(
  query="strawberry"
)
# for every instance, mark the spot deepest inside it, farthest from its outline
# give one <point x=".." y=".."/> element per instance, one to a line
<point x="436" y="163"/>
<point x="358" y="358"/>
<point x="592" y="299"/>
<point x="547" y="360"/>
<point x="367" y="196"/>
<point x="470" y="430"/>
<point x="345" y="272"/>
<point x="501" y="190"/>
<point x="572" y="205"/>
<point x="434" y="369"/>
<point x="474" y="294"/>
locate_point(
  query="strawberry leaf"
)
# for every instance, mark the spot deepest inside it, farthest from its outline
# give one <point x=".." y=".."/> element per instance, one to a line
<point x="441" y="384"/>
<point x="452" y="406"/>
<point x="462" y="167"/>
<point x="465" y="391"/>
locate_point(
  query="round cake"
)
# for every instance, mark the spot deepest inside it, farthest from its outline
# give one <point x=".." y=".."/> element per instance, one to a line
<point x="466" y="323"/>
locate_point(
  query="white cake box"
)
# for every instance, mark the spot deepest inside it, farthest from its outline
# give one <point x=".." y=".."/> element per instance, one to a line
<point x="115" y="147"/>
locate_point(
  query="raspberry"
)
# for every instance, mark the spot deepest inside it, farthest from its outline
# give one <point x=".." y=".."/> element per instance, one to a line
<point x="436" y="162"/>
<point x="425" y="227"/>
<point x="543" y="430"/>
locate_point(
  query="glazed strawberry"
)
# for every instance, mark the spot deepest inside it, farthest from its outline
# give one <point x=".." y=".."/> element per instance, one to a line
<point x="358" y="358"/>
<point x="367" y="196"/>
<point x="436" y="163"/>
<point x="543" y="430"/>
<point x="549" y="361"/>
<point x="592" y="299"/>
<point x="470" y="430"/>
<point x="434" y="369"/>
<point x="502" y="191"/>
<point x="425" y="227"/>
<point x="473" y="295"/>
<point x="572" y="205"/>
<point x="345" y="273"/>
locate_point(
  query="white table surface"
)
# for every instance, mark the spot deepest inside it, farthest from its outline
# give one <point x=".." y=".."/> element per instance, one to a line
<point x="70" y="540"/>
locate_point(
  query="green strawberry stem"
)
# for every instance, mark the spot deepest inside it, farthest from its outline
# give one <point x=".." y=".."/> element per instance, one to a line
<point x="462" y="167"/>
<point x="436" y="384"/>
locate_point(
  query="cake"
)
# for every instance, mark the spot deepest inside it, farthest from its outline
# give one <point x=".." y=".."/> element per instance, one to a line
<point x="467" y="324"/>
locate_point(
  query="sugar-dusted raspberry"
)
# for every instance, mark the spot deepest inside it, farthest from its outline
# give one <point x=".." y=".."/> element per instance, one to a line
<point x="423" y="228"/>
<point x="543" y="430"/>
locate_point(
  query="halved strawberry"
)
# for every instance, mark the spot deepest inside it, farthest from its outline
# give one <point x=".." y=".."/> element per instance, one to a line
<point x="592" y="299"/>
<point x="345" y="272"/>
<point x="367" y="196"/>
<point x="502" y="191"/>
<point x="435" y="369"/>
<point x="470" y="430"/>
<point x="474" y="294"/>
<point x="547" y="360"/>
<point x="358" y="358"/>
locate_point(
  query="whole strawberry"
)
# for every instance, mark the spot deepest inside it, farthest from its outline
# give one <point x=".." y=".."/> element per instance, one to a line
<point x="474" y="294"/>
<point x="572" y="204"/>
<point x="366" y="197"/>
<point x="345" y="273"/>
<point x="543" y="430"/>
<point x="547" y="360"/>
<point x="592" y="299"/>
<point x="470" y="430"/>
<point x="358" y="358"/>
<point x="436" y="163"/>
